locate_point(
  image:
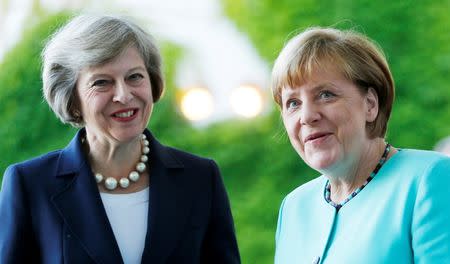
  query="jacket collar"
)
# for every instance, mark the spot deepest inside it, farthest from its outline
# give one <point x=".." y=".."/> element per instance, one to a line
<point x="72" y="157"/>
<point x="161" y="153"/>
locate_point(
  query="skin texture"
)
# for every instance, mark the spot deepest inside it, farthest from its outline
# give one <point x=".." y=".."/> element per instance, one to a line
<point x="325" y="119"/>
<point x="116" y="87"/>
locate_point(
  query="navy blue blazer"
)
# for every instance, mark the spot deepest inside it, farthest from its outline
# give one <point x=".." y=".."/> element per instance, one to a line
<point x="51" y="211"/>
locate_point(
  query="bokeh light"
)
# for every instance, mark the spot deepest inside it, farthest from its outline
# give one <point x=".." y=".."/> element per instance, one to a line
<point x="247" y="101"/>
<point x="197" y="104"/>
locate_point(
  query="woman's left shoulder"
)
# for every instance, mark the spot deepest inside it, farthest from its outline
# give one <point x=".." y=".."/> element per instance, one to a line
<point x="426" y="164"/>
<point x="421" y="158"/>
<point x="415" y="166"/>
<point x="423" y="154"/>
<point x="174" y="157"/>
<point x="188" y="159"/>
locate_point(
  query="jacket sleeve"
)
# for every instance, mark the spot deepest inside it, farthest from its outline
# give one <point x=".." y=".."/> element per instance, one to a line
<point x="430" y="225"/>
<point x="16" y="242"/>
<point x="220" y="245"/>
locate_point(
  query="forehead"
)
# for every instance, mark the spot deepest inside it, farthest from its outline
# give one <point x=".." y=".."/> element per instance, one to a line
<point x="299" y="71"/>
<point x="318" y="77"/>
<point x="129" y="58"/>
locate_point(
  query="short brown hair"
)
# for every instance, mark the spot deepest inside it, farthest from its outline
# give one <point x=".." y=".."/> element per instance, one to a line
<point x="354" y="55"/>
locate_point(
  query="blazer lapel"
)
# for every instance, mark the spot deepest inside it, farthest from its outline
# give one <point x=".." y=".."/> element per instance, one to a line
<point x="169" y="203"/>
<point x="80" y="205"/>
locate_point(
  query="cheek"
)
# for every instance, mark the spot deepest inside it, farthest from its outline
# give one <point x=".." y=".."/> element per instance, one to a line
<point x="146" y="95"/>
<point x="85" y="105"/>
<point x="350" y="128"/>
<point x="292" y="126"/>
<point x="96" y="104"/>
<point x="292" y="129"/>
<point x="355" y="120"/>
<point x="287" y="124"/>
<point x="91" y="101"/>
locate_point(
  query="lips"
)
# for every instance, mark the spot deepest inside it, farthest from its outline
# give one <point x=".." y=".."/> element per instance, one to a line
<point x="125" y="114"/>
<point x="315" y="136"/>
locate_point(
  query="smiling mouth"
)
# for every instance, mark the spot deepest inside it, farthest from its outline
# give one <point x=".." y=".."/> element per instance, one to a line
<point x="316" y="136"/>
<point x="125" y="114"/>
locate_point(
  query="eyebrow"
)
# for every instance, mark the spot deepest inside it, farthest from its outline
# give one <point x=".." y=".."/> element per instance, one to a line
<point x="288" y="91"/>
<point x="324" y="85"/>
<point x="136" y="68"/>
<point x="101" y="75"/>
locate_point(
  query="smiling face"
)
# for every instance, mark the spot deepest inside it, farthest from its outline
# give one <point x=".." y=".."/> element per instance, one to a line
<point x="325" y="119"/>
<point x="116" y="99"/>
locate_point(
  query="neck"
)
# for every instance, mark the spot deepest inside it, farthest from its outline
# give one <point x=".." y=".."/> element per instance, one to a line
<point x="354" y="171"/>
<point x="112" y="158"/>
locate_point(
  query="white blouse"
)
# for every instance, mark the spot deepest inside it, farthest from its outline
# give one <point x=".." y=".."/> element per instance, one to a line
<point x="127" y="214"/>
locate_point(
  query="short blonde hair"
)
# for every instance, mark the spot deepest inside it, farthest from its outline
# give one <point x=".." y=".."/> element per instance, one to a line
<point x="354" y="55"/>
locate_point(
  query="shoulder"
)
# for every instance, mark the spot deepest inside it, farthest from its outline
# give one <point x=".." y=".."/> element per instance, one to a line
<point x="420" y="162"/>
<point x="432" y="168"/>
<point x="176" y="158"/>
<point x="30" y="176"/>
<point x="306" y="191"/>
<point x="431" y="210"/>
<point x="33" y="166"/>
<point x="195" y="169"/>
<point x="188" y="159"/>
<point x="422" y="177"/>
<point x="304" y="198"/>
<point x="421" y="156"/>
<point x="38" y="162"/>
<point x="173" y="157"/>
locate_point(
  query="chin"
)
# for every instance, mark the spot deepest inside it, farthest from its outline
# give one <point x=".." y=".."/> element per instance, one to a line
<point x="321" y="163"/>
<point x="128" y="135"/>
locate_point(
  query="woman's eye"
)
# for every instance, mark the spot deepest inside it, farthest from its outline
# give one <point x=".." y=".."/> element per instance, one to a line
<point x="326" y="95"/>
<point x="135" y="77"/>
<point x="100" y="83"/>
<point x="292" y="104"/>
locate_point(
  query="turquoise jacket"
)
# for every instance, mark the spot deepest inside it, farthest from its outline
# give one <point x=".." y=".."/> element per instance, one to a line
<point x="401" y="216"/>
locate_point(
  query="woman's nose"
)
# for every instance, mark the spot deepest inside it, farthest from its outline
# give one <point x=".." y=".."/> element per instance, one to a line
<point x="122" y="93"/>
<point x="309" y="114"/>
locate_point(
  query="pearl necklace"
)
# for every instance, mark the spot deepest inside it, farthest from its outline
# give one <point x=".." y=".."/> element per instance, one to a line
<point x="111" y="183"/>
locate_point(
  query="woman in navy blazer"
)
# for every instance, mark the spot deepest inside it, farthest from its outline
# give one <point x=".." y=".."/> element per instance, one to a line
<point x="114" y="194"/>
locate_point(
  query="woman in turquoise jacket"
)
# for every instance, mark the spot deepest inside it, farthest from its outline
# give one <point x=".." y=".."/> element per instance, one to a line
<point x="373" y="203"/>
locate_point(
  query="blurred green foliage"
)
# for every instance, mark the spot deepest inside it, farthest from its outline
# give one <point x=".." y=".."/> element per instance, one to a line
<point x="29" y="127"/>
<point x="257" y="162"/>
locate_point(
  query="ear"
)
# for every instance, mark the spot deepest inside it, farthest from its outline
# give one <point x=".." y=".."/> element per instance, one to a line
<point x="75" y="107"/>
<point x="371" y="105"/>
